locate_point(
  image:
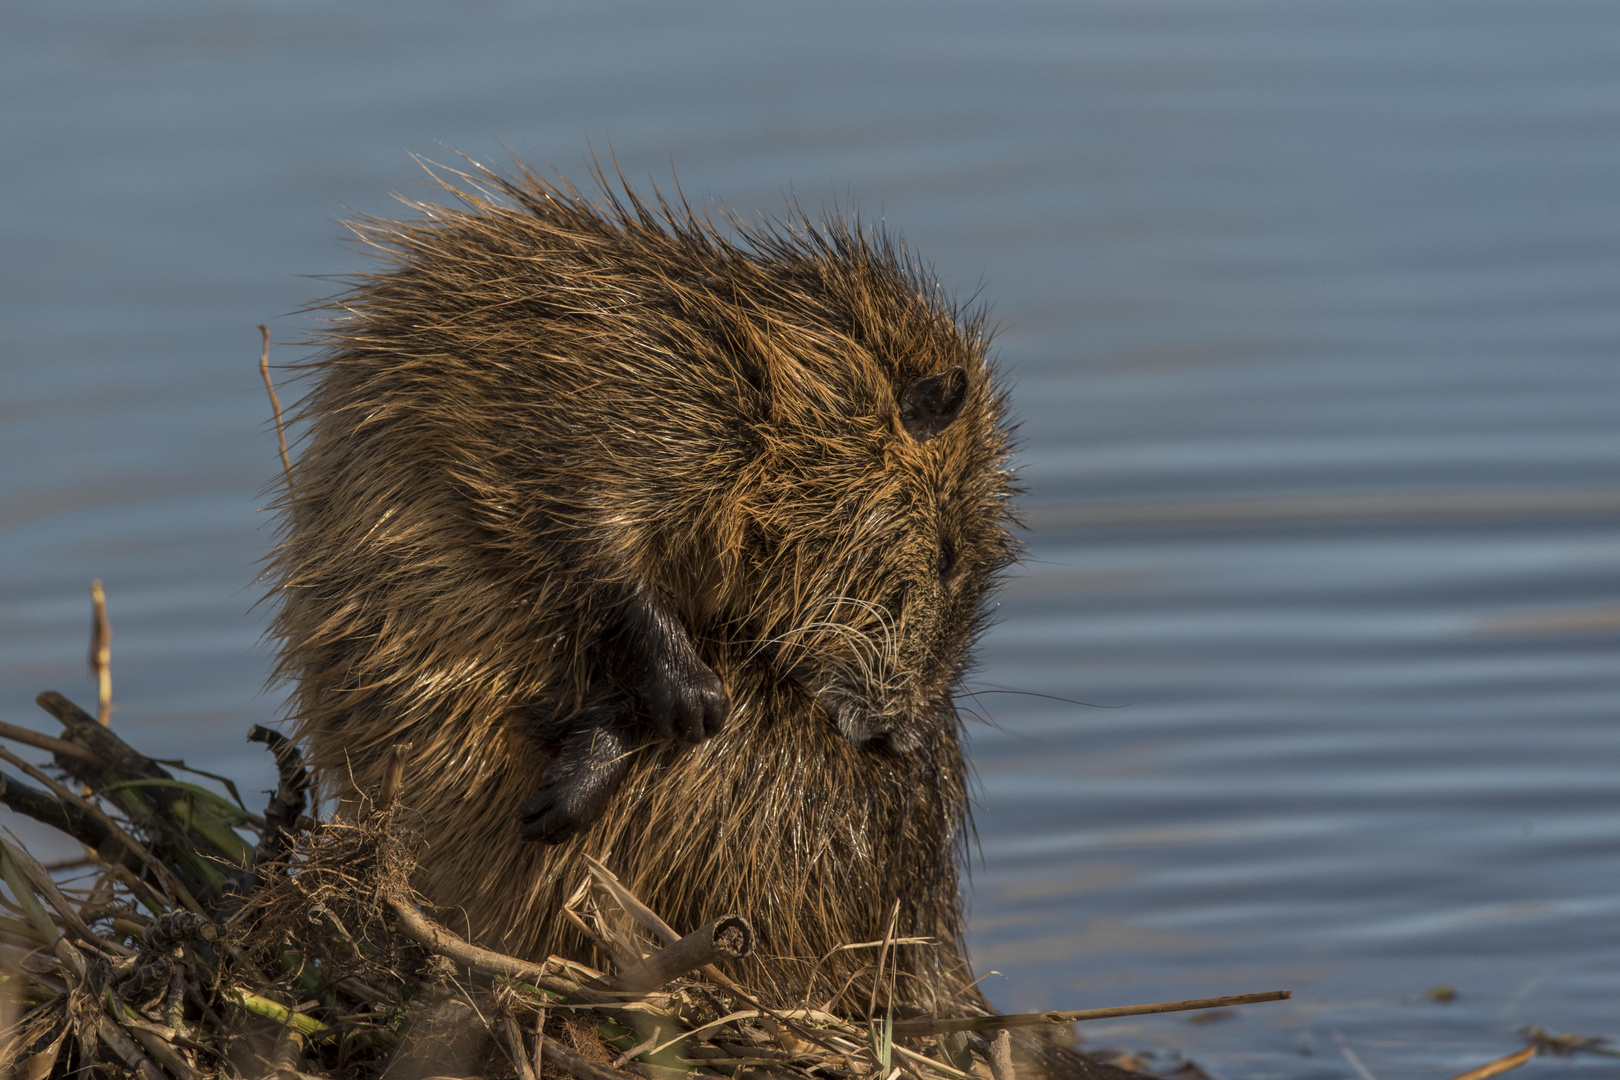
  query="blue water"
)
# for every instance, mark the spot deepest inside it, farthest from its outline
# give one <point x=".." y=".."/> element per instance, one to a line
<point x="1313" y="314"/>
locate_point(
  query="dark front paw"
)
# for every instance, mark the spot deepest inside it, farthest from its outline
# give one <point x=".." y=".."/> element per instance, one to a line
<point x="686" y="701"/>
<point x="681" y="696"/>
<point x="552" y="815"/>
<point x="576" y="787"/>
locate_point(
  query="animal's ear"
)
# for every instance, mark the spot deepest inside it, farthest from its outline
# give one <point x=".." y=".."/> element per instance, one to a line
<point x="930" y="404"/>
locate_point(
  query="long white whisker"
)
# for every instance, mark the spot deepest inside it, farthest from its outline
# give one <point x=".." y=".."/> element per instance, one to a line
<point x="870" y="662"/>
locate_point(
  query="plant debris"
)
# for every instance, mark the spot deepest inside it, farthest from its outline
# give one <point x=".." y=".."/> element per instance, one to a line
<point x="1567" y="1045"/>
<point x="197" y="939"/>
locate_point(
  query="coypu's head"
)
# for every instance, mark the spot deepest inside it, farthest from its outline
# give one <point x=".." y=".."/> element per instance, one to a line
<point x="873" y="517"/>
<point x="904" y="603"/>
<point x="786" y="429"/>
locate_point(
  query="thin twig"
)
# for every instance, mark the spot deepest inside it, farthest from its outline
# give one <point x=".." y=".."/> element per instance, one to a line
<point x="540" y="1038"/>
<point x="632" y="906"/>
<point x="275" y="404"/>
<point x="637" y="1050"/>
<point x="59" y="865"/>
<point x="1014" y="1020"/>
<point x="514" y="1043"/>
<point x="577" y="1066"/>
<point x="60" y="747"/>
<point x="436" y="938"/>
<point x="810" y="980"/>
<point x="730" y="1018"/>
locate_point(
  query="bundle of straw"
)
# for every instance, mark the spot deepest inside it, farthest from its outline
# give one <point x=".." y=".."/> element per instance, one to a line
<point x="196" y="938"/>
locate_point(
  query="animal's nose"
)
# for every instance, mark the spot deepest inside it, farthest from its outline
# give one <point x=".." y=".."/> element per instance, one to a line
<point x="894" y="740"/>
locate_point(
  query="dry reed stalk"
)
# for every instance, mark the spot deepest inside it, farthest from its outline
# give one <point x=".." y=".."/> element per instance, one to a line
<point x="101" y="652"/>
<point x="725" y="938"/>
<point x="39" y="741"/>
<point x="389" y="791"/>
<point x="1015" y="1020"/>
<point x="437" y="939"/>
<point x="1001" y="1065"/>
<point x="275" y="403"/>
<point x="316" y="963"/>
<point x="1499" y="1066"/>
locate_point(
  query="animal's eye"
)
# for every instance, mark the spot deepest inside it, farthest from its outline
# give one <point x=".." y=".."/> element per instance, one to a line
<point x="947" y="558"/>
<point x="930" y="404"/>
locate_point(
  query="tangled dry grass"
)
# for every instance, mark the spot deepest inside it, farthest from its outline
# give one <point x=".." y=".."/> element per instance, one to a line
<point x="178" y="947"/>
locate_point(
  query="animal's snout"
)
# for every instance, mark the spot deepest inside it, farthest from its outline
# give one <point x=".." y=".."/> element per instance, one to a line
<point x="868" y="721"/>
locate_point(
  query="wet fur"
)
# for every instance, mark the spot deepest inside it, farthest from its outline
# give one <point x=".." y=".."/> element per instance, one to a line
<point x="661" y="542"/>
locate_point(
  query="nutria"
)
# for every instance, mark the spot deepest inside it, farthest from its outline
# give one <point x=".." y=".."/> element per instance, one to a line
<point x="659" y="540"/>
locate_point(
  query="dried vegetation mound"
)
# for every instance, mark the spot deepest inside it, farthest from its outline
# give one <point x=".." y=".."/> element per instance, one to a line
<point x="195" y="938"/>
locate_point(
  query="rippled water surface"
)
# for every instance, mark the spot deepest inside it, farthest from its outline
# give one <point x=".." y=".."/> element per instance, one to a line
<point x="1311" y="310"/>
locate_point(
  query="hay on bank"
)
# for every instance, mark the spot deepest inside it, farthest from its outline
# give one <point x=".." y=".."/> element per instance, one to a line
<point x="182" y="948"/>
<point x="179" y="947"/>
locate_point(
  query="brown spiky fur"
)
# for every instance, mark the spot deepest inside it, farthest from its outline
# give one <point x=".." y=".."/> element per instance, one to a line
<point x="545" y="402"/>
